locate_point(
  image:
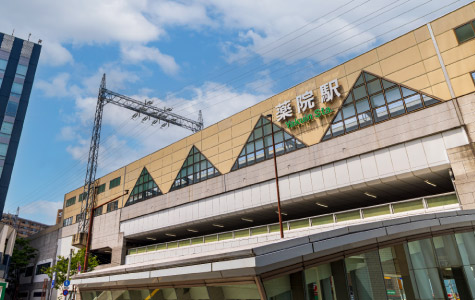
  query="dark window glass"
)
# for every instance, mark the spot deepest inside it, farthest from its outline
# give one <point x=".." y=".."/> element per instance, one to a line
<point x="98" y="211"/>
<point x="17" y="88"/>
<point x="6" y="128"/>
<point x="82" y="197"/>
<point x="68" y="221"/>
<point x="39" y="294"/>
<point x="387" y="101"/>
<point x="114" y="182"/>
<point x="21" y="71"/>
<point x="70" y="201"/>
<point x="144" y="188"/>
<point x="101" y="188"/>
<point x="3" y="65"/>
<point x="29" y="271"/>
<point x="12" y="108"/>
<point x="113" y="206"/>
<point x="261" y="149"/>
<point x="3" y="150"/>
<point x="465" y="33"/>
<point x="197" y="168"/>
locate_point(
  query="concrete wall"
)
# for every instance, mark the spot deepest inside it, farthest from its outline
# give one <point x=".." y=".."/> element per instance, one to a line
<point x="411" y="60"/>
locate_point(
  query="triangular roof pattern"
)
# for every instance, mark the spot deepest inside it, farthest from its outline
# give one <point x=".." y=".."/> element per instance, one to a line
<point x="259" y="144"/>
<point x="145" y="188"/>
<point x="374" y="99"/>
<point x="195" y="168"/>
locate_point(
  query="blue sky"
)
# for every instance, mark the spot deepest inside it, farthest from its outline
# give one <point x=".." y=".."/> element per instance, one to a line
<point x="213" y="55"/>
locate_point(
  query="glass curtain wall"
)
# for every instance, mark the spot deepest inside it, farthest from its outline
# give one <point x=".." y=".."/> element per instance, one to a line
<point x="440" y="267"/>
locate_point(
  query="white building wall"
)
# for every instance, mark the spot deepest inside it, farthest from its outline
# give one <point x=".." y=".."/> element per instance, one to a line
<point x="419" y="154"/>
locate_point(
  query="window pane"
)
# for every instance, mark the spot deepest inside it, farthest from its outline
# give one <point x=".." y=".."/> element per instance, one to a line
<point x="3" y="149"/>
<point x="7" y="128"/>
<point x="407" y="92"/>
<point x="377" y="100"/>
<point x="392" y="95"/>
<point x="387" y="84"/>
<point x="21" y="71"/>
<point x="362" y="105"/>
<point x="259" y="144"/>
<point x="337" y="128"/>
<point x="338" y="117"/>
<point x="374" y="87"/>
<point x="381" y="114"/>
<point x="413" y="102"/>
<point x="428" y="100"/>
<point x="464" y="33"/>
<point x="359" y="92"/>
<point x="17" y="88"/>
<point x="12" y="108"/>
<point x="348" y="111"/>
<point x="3" y="64"/>
<point x="396" y="108"/>
<point x="278" y="137"/>
<point x="365" y="119"/>
<point x="257" y="133"/>
<point x="364" y="275"/>
<point x="351" y="124"/>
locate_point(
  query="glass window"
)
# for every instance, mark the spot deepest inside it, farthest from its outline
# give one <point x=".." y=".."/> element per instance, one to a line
<point x="377" y="100"/>
<point x="21" y="71"/>
<point x="362" y="105"/>
<point x="40" y="269"/>
<point x="464" y="33"/>
<point x="374" y="87"/>
<point x="145" y="188"/>
<point x="351" y="124"/>
<point x="195" y="169"/>
<point x="319" y="283"/>
<point x="101" y="188"/>
<point x="396" y="108"/>
<point x="364" y="276"/>
<point x="6" y="128"/>
<point x="114" y="182"/>
<point x="17" y="88"/>
<point x="348" y="111"/>
<point x="285" y="287"/>
<point x="71" y="201"/>
<point x="3" y="65"/>
<point x="3" y="149"/>
<point x="381" y="114"/>
<point x="12" y="108"/>
<point x="98" y="211"/>
<point x="395" y="271"/>
<point x="253" y="152"/>
<point x="113" y="206"/>
<point x="365" y="119"/>
<point x="393" y="94"/>
<point x="360" y="92"/>
<point x="472" y="74"/>
<point x="414" y="102"/>
<point x="386" y="103"/>
<point x="68" y="221"/>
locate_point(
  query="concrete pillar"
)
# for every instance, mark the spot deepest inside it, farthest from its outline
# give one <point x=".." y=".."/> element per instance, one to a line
<point x="462" y="161"/>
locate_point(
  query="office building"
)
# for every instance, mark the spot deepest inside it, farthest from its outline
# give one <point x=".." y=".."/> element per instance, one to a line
<point x="18" y="62"/>
<point x="25" y="227"/>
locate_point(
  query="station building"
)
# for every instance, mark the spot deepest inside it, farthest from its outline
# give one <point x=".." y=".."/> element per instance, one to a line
<point x="376" y="172"/>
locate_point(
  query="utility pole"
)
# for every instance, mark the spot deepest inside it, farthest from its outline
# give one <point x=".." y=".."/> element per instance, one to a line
<point x="276" y="178"/>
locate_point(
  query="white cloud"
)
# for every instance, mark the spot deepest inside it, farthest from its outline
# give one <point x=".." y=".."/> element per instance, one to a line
<point x="140" y="53"/>
<point x="42" y="211"/>
<point x="58" y="87"/>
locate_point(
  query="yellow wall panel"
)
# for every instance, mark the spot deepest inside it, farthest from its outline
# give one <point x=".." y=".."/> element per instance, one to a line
<point x="241" y="116"/>
<point x="422" y="34"/>
<point x="432" y="63"/>
<point x="397" y="45"/>
<point x="361" y="62"/>
<point x="454" y="19"/>
<point x="465" y="50"/>
<point x="408" y="73"/>
<point x="461" y="67"/>
<point x="463" y="85"/>
<point x="427" y="49"/>
<point x="261" y="107"/>
<point x="224" y="135"/>
<point x="418" y="83"/>
<point x="441" y="90"/>
<point x="436" y="76"/>
<point x="210" y="142"/>
<point x="210" y="151"/>
<point x="241" y="128"/>
<point x="446" y="41"/>
<point x="209" y="131"/>
<point x="400" y="60"/>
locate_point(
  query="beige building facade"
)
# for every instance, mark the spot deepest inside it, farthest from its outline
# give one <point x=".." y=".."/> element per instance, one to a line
<point x="376" y="163"/>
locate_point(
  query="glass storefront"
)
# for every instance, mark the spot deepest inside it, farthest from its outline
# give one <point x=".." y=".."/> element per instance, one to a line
<point x="440" y="267"/>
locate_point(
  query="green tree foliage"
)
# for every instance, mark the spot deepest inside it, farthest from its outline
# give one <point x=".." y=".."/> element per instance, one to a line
<point x="22" y="255"/>
<point x="61" y="266"/>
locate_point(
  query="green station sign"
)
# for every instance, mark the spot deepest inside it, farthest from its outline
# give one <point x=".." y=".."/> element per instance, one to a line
<point x="318" y="113"/>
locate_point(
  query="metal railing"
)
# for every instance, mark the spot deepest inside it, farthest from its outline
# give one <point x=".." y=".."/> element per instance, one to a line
<point x="326" y="219"/>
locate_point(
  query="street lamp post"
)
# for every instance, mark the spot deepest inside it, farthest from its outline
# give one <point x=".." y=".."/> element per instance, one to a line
<point x="276" y="178"/>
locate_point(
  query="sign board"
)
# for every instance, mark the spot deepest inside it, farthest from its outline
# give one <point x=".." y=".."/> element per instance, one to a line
<point x="67" y="283"/>
<point x="54" y="279"/>
<point x="65" y="292"/>
<point x="306" y="101"/>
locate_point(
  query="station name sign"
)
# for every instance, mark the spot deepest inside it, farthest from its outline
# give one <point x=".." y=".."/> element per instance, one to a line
<point x="306" y="101"/>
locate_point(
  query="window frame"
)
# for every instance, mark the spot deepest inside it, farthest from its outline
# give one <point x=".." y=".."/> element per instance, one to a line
<point x="112" y="206"/>
<point x="71" y="201"/>
<point x="471" y="22"/>
<point x="114" y="183"/>
<point x="101" y="188"/>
